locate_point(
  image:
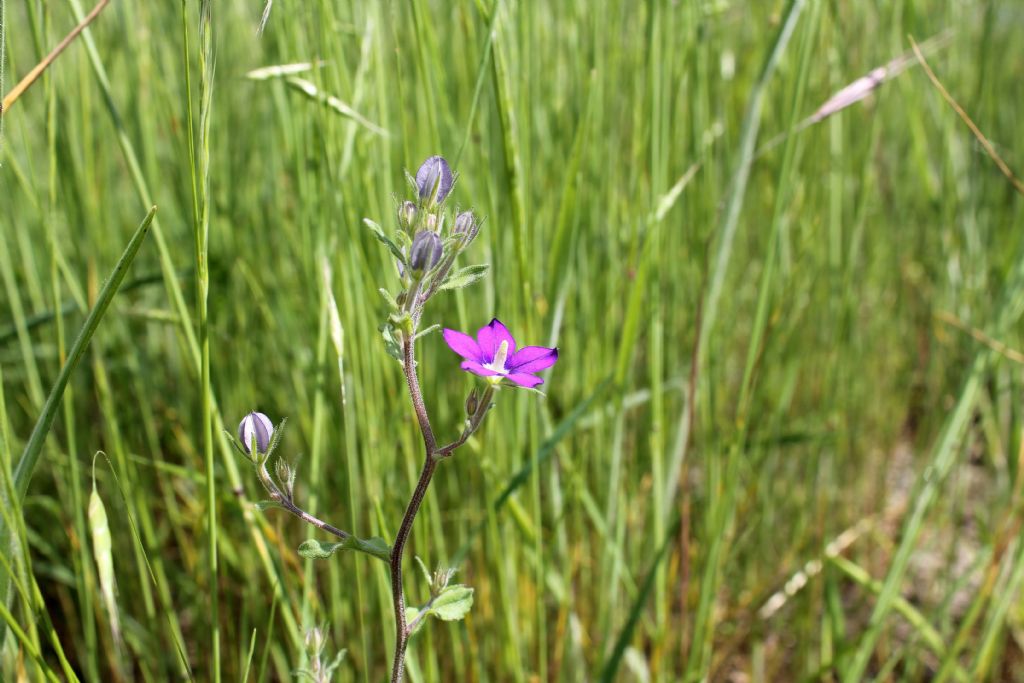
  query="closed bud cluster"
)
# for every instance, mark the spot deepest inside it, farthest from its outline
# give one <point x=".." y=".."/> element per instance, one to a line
<point x="425" y="251"/>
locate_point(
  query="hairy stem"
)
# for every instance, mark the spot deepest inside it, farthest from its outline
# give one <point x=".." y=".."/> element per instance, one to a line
<point x="310" y="519"/>
<point x="285" y="501"/>
<point x="433" y="455"/>
<point x="398" y="549"/>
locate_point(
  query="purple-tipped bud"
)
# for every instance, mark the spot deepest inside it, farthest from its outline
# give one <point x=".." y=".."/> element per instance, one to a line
<point x="467" y="226"/>
<point x="407" y="215"/>
<point x="425" y="251"/>
<point x="434" y="173"/>
<point x="255" y="426"/>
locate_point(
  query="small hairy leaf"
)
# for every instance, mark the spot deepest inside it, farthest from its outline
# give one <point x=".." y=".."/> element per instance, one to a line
<point x="424" y="333"/>
<point x="391" y="345"/>
<point x="388" y="242"/>
<point x="463" y="277"/>
<point x="390" y="299"/>
<point x="452" y="603"/>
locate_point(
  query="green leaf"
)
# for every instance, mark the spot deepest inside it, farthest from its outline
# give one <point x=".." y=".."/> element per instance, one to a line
<point x="388" y="242"/>
<point x="532" y="390"/>
<point x="424" y="333"/>
<point x="411" y="613"/>
<point x="463" y="277"/>
<point x="262" y="505"/>
<point x="321" y="550"/>
<point x="452" y="603"/>
<point x="391" y="345"/>
<point x="33" y="448"/>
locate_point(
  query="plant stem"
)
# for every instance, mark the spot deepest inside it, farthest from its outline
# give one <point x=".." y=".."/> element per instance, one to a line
<point x="397" y="591"/>
<point x="397" y="550"/>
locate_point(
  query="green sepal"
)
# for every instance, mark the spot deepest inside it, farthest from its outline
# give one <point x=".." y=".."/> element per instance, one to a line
<point x="234" y="442"/>
<point x="423" y="568"/>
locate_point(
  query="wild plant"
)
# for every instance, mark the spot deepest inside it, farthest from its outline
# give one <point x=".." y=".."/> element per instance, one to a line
<point x="428" y="242"/>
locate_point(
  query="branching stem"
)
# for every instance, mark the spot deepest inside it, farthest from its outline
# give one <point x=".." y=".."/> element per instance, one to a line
<point x="285" y="501"/>
<point x="432" y="456"/>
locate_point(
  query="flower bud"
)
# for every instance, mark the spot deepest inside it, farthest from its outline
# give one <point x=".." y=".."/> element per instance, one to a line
<point x="472" y="402"/>
<point x="425" y="251"/>
<point x="286" y="477"/>
<point x="434" y="179"/>
<point x="255" y="426"/>
<point x="315" y="640"/>
<point x="407" y="215"/>
<point x="463" y="223"/>
<point x="466" y="225"/>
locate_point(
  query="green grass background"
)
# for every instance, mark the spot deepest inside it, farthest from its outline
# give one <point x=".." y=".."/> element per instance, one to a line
<point x="838" y="394"/>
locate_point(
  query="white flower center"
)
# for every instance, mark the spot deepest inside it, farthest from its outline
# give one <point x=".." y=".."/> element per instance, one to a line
<point x="500" y="356"/>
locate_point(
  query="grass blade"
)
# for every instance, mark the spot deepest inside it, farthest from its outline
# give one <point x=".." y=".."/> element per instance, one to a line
<point x="30" y="456"/>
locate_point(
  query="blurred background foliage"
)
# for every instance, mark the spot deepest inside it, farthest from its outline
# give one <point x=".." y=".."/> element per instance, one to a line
<point x="872" y="270"/>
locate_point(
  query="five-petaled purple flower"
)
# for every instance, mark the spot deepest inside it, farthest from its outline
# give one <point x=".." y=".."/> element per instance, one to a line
<point x="493" y="355"/>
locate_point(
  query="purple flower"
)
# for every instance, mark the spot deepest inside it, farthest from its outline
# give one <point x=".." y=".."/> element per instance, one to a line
<point x="493" y="355"/>
<point x="255" y="425"/>
<point x="434" y="172"/>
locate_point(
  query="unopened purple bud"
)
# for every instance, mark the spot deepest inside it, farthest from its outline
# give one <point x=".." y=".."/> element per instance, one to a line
<point x="434" y="173"/>
<point x="466" y="225"/>
<point x="407" y="215"/>
<point x="258" y="426"/>
<point x="425" y="251"/>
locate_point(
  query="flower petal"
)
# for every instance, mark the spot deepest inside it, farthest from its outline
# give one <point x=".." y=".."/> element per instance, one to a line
<point x="532" y="359"/>
<point x="463" y="344"/>
<point x="490" y="337"/>
<point x="477" y="369"/>
<point x="525" y="380"/>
